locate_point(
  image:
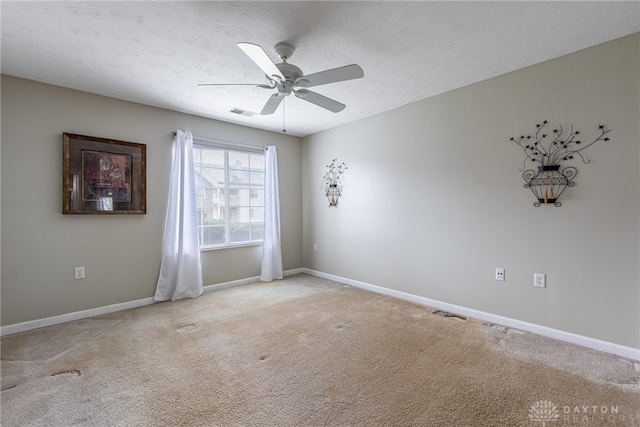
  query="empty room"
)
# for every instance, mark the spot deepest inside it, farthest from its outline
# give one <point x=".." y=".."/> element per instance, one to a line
<point x="320" y="213"/>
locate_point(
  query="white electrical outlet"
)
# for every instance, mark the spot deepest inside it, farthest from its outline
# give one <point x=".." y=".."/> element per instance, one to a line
<point x="79" y="273"/>
<point x="315" y="247"/>
<point x="539" y="280"/>
<point x="500" y="274"/>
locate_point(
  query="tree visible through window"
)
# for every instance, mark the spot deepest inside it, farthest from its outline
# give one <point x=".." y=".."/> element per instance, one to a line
<point x="230" y="186"/>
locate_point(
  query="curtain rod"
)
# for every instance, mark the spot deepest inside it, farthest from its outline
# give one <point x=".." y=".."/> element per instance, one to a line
<point x="220" y="143"/>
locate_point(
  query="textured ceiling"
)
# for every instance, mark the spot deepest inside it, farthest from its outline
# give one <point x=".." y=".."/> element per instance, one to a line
<point x="156" y="53"/>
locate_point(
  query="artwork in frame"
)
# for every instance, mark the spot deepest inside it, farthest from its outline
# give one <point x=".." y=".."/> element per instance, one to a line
<point x="103" y="176"/>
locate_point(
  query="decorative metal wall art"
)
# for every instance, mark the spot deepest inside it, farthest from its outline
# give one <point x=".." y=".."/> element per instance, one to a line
<point x="549" y="151"/>
<point x="332" y="183"/>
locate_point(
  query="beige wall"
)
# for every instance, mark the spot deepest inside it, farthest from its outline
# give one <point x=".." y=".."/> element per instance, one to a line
<point x="434" y="202"/>
<point x="121" y="254"/>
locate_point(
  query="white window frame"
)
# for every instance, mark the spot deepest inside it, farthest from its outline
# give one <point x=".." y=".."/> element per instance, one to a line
<point x="227" y="147"/>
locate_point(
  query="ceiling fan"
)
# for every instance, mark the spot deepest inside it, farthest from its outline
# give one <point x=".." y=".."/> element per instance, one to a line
<point x="288" y="79"/>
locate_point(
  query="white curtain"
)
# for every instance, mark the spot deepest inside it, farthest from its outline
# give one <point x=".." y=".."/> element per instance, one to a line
<point x="181" y="272"/>
<point x="271" y="250"/>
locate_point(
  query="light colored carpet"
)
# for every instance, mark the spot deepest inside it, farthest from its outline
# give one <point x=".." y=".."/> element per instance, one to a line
<point x="306" y="352"/>
<point x="47" y="343"/>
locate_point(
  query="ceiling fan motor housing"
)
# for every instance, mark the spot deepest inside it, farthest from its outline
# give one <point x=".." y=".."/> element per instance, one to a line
<point x="289" y="71"/>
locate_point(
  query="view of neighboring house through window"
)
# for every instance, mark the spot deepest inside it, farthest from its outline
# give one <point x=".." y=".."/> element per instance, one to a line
<point x="230" y="196"/>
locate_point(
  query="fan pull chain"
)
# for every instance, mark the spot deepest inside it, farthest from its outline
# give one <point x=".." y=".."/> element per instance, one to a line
<point x="284" y="102"/>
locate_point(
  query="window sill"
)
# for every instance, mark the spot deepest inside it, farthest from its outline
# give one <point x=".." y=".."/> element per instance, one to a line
<point x="232" y="246"/>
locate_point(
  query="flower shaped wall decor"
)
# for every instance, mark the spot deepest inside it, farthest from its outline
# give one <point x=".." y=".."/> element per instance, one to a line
<point x="332" y="183"/>
<point x="549" y="151"/>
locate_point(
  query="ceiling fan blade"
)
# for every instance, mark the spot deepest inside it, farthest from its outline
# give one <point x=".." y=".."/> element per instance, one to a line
<point x="272" y="104"/>
<point x="262" y="60"/>
<point x="320" y="100"/>
<point x="260" y="85"/>
<point x="348" y="72"/>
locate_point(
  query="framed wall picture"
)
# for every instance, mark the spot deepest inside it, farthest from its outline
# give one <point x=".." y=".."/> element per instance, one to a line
<point x="103" y="176"/>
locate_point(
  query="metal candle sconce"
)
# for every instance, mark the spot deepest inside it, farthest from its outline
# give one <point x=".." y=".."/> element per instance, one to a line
<point x="332" y="183"/>
<point x="549" y="151"/>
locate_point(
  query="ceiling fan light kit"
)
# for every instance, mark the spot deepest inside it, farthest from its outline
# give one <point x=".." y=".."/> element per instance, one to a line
<point x="288" y="78"/>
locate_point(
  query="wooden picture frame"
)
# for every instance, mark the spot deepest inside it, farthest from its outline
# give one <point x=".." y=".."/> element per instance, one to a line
<point x="103" y="176"/>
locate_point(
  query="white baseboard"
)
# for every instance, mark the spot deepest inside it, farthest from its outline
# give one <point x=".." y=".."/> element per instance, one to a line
<point x="69" y="317"/>
<point x="605" y="346"/>
<point x="248" y="280"/>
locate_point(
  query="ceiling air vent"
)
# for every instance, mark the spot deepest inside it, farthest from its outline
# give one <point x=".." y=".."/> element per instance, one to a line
<point x="241" y="112"/>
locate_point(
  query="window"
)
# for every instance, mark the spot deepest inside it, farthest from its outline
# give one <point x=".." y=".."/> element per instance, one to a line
<point x="230" y="186"/>
<point x="200" y="194"/>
